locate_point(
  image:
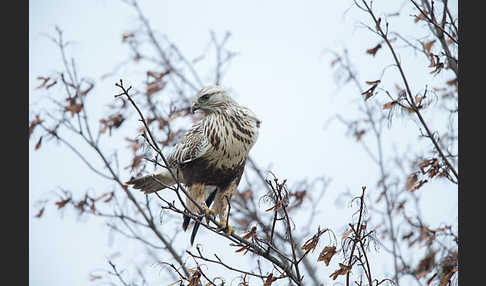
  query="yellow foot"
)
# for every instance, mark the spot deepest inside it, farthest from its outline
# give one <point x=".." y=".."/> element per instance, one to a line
<point x="228" y="230"/>
<point x="209" y="212"/>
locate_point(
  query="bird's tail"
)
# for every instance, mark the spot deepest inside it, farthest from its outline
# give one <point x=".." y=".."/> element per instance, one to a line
<point x="153" y="182"/>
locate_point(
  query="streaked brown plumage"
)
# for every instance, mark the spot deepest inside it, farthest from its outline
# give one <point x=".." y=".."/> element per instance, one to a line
<point x="211" y="156"/>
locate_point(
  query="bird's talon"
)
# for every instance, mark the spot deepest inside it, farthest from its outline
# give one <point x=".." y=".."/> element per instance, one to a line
<point x="229" y="230"/>
<point x="209" y="212"/>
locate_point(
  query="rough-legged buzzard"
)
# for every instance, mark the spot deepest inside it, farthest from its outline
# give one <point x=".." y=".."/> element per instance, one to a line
<point x="210" y="158"/>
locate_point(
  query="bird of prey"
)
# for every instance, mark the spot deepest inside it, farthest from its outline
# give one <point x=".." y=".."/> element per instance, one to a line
<point x="211" y="156"/>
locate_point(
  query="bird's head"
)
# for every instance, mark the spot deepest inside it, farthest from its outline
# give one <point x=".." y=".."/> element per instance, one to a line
<point x="210" y="98"/>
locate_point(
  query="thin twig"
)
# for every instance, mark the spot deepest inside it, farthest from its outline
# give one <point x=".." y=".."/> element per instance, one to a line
<point x="411" y="101"/>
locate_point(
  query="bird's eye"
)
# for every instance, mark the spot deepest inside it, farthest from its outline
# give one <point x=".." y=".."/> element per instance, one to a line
<point x="204" y="98"/>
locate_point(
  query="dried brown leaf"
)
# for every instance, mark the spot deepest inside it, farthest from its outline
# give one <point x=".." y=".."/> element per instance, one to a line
<point x="341" y="271"/>
<point x="38" y="144"/>
<point x="137" y="160"/>
<point x="51" y="84"/>
<point x="373" y="82"/>
<point x="275" y="207"/>
<point x="389" y="105"/>
<point x="358" y="134"/>
<point x="270" y="279"/>
<point x="373" y="50"/>
<point x="93" y="277"/>
<point x="243" y="281"/>
<point x="428" y="46"/>
<point x="151" y="74"/>
<point x="368" y="95"/>
<point x="87" y="90"/>
<point x="425" y="265"/>
<point x="157" y="75"/>
<point x="346" y="234"/>
<point x="434" y="168"/>
<point x="419" y="17"/>
<point x="411" y="180"/>
<point x="326" y="254"/>
<point x="419" y="185"/>
<point x="399" y="89"/>
<point x="432" y="61"/>
<point x="335" y="61"/>
<point x="33" y="124"/>
<point x="44" y="81"/>
<point x="113" y="121"/>
<point x="157" y="85"/>
<point x="247" y="194"/>
<point x="409" y="109"/>
<point x="197" y="59"/>
<point x="251" y="233"/>
<point x="127" y="35"/>
<point x="370" y="92"/>
<point x="194" y="280"/>
<point x="438" y="67"/>
<point x="101" y="196"/>
<point x="418" y="100"/>
<point x="134" y="144"/>
<point x="62" y="203"/>
<point x="244" y="248"/>
<point x="40" y="213"/>
<point x="112" y="194"/>
<point x="74" y="108"/>
<point x="424" y="165"/>
<point x="311" y="244"/>
<point x="380" y="197"/>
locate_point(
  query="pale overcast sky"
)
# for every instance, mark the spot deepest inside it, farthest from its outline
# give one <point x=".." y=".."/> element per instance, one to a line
<point x="282" y="73"/>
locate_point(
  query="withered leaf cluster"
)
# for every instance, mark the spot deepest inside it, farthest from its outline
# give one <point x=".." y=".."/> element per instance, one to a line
<point x="86" y="203"/>
<point x="113" y="121"/>
<point x="156" y="82"/>
<point x="425" y="265"/>
<point x="370" y="92"/>
<point x="47" y="82"/>
<point x="194" y="279"/>
<point x="74" y="107"/>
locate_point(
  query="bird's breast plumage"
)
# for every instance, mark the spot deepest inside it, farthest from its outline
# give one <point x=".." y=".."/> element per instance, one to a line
<point x="215" y="149"/>
<point x="232" y="132"/>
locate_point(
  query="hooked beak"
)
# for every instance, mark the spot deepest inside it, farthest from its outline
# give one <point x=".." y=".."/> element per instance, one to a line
<point x="194" y="107"/>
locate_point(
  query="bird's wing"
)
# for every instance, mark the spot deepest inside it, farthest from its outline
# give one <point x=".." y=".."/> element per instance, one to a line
<point x="193" y="145"/>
